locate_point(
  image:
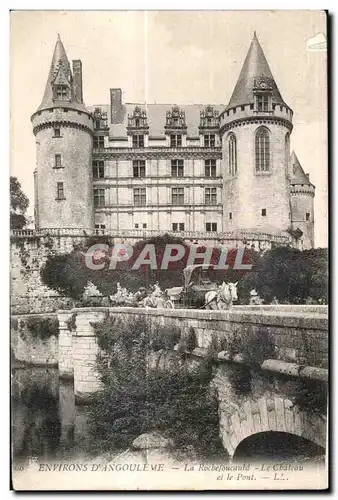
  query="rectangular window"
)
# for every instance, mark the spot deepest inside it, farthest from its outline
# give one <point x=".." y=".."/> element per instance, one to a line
<point x="136" y="225"/>
<point x="175" y="141"/>
<point x="209" y="141"/>
<point x="62" y="93"/>
<point x="140" y="196"/>
<point x="210" y="197"/>
<point x="99" y="198"/>
<point x="100" y="228"/>
<point x="177" y="168"/>
<point x="210" y="168"/>
<point x="57" y="161"/>
<point x="177" y="196"/>
<point x="139" y="168"/>
<point x="263" y="212"/>
<point x="138" y="141"/>
<point x="98" y="142"/>
<point x="144" y="225"/>
<point x="178" y="226"/>
<point x="60" y="194"/>
<point x="98" y="169"/>
<point x="211" y="227"/>
<point x="262" y="102"/>
<point x="230" y="215"/>
<point x="57" y="132"/>
<point x="307" y="216"/>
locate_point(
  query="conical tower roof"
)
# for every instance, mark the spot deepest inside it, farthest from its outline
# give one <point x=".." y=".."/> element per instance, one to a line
<point x="60" y="73"/>
<point x="255" y="72"/>
<point x="298" y="175"/>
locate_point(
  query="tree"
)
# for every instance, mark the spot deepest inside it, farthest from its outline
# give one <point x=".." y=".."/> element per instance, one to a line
<point x="19" y="205"/>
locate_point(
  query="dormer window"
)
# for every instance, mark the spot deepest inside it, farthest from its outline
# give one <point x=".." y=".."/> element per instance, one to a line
<point x="138" y="141"/>
<point x="138" y="119"/>
<point x="100" y="119"/>
<point x="262" y="102"/>
<point x="62" y="92"/>
<point x="209" y="118"/>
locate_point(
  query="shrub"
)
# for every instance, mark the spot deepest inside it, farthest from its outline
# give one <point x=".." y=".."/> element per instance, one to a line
<point x="71" y="323"/>
<point x="213" y="348"/>
<point x="165" y="337"/>
<point x="188" y="342"/>
<point x="256" y="346"/>
<point x="312" y="396"/>
<point x="43" y="328"/>
<point x="137" y="399"/>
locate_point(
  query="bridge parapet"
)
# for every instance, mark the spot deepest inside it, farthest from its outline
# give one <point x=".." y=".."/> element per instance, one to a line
<point x="298" y="335"/>
<point x="283" y="393"/>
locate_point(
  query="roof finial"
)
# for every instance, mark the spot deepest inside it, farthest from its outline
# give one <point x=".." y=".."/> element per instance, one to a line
<point x="255" y="36"/>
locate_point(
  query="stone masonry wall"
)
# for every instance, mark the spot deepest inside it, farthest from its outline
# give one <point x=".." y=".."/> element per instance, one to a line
<point x="28" y="293"/>
<point x="26" y="348"/>
<point x="300" y="338"/>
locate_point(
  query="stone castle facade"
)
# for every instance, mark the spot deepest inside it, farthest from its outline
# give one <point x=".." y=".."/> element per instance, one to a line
<point x="203" y="172"/>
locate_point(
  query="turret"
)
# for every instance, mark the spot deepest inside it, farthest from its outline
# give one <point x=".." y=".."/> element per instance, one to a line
<point x="302" y="193"/>
<point x="255" y="130"/>
<point x="63" y="129"/>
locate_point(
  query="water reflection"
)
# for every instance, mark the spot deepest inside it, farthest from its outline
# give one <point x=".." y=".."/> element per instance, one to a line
<point x="47" y="425"/>
<point x="45" y="421"/>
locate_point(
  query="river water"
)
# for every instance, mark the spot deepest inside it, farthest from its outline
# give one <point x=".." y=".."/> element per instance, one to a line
<point x="48" y="426"/>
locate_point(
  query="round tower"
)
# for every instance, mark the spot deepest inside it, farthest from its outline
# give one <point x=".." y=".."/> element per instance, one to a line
<point x="63" y="129"/>
<point x="302" y="211"/>
<point x="255" y="129"/>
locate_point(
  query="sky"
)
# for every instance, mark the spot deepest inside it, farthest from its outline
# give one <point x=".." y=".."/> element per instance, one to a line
<point x="175" y="57"/>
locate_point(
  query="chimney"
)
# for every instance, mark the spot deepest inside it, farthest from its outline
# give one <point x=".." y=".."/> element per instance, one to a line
<point x="308" y="176"/>
<point x="77" y="80"/>
<point x="116" y="114"/>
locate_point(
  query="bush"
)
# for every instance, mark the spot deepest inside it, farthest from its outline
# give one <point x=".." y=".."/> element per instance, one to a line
<point x="165" y="338"/>
<point x="136" y="399"/>
<point x="71" y="323"/>
<point x="43" y="328"/>
<point x="188" y="342"/>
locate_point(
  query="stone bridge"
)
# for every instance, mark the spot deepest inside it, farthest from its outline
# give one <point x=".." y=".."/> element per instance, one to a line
<point x="286" y="392"/>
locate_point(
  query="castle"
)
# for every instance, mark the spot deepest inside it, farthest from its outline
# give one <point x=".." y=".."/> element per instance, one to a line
<point x="204" y="172"/>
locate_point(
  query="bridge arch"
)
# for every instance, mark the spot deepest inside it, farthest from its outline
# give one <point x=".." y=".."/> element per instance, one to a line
<point x="273" y="445"/>
<point x="269" y="413"/>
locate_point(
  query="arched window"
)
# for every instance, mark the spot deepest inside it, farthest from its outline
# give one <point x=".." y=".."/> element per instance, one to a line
<point x="232" y="155"/>
<point x="262" y="150"/>
<point x="287" y="152"/>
